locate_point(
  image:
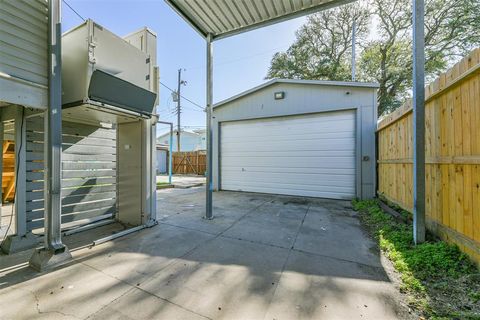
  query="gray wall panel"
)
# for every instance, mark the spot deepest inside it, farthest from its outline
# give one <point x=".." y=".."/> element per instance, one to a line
<point x="89" y="173"/>
<point x="303" y="98"/>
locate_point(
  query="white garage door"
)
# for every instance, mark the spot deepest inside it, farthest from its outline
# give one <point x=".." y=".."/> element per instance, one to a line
<point x="308" y="155"/>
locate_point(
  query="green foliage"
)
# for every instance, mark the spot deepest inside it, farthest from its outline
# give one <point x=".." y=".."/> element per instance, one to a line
<point x="323" y="55"/>
<point x="322" y="49"/>
<point x="475" y="296"/>
<point x="428" y="266"/>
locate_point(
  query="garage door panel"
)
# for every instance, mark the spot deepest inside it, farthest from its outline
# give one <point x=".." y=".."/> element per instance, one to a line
<point x="255" y="131"/>
<point x="235" y="153"/>
<point x="307" y="162"/>
<point x="284" y="170"/>
<point x="291" y="137"/>
<point x="307" y="119"/>
<point x="310" y="155"/>
<point x="291" y="186"/>
<point x="293" y="179"/>
<point x="300" y="145"/>
<point x="296" y="190"/>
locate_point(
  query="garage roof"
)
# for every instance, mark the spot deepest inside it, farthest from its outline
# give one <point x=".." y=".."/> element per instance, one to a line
<point x="296" y="81"/>
<point x="223" y="18"/>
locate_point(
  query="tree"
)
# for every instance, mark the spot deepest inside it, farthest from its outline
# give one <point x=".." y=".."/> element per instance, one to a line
<point x="451" y="30"/>
<point x="323" y="55"/>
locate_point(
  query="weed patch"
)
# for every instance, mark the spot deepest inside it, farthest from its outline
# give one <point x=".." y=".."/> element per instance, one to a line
<point x="439" y="279"/>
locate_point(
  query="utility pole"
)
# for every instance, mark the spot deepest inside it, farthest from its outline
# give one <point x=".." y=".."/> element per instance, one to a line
<point x="354" y="31"/>
<point x="178" y="108"/>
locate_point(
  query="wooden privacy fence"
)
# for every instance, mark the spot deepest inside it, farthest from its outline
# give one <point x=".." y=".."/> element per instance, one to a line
<point x="193" y="162"/>
<point x="452" y="155"/>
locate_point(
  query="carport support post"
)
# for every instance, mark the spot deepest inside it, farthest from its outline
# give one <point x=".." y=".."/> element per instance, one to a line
<point x="54" y="251"/>
<point x="170" y="145"/>
<point x="418" y="122"/>
<point x="209" y="185"/>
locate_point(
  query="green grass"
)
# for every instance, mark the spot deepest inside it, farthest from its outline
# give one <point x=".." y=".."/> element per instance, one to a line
<point x="163" y="185"/>
<point x="425" y="269"/>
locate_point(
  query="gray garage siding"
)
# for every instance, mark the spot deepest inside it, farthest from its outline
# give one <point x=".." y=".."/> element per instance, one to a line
<point x="304" y="97"/>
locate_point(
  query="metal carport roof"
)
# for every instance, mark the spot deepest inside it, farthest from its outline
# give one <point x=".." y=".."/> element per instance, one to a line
<point x="217" y="19"/>
<point x="223" y="18"/>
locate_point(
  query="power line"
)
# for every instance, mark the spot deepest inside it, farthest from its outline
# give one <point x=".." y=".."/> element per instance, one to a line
<point x="78" y="14"/>
<point x="194" y="103"/>
<point x="221" y="63"/>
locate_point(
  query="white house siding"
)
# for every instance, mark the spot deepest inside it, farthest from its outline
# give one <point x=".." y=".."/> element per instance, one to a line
<point x="23" y="52"/>
<point x="162" y="161"/>
<point x="189" y="141"/>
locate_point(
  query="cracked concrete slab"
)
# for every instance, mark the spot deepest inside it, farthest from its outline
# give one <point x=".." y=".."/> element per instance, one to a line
<point x="135" y="259"/>
<point x="281" y="231"/>
<point x="318" y="287"/>
<point x="225" y="279"/>
<point x="74" y="291"/>
<point x="334" y="235"/>
<point x="138" y="304"/>
<point x="241" y="265"/>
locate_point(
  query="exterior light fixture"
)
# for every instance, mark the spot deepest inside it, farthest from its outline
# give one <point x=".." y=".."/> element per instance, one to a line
<point x="279" y="95"/>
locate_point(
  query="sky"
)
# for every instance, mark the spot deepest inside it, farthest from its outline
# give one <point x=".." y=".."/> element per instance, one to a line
<point x="240" y="62"/>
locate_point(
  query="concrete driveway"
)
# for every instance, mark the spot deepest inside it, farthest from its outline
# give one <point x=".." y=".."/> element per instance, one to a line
<point x="183" y="181"/>
<point x="262" y="257"/>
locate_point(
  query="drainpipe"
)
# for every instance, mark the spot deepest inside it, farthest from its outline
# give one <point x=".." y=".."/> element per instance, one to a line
<point x="54" y="251"/>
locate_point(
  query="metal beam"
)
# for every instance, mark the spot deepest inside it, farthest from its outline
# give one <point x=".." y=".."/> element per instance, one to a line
<point x="53" y="134"/>
<point x="54" y="251"/>
<point x="209" y="186"/>
<point x="418" y="121"/>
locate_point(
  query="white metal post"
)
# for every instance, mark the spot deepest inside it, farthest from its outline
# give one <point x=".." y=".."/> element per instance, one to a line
<point x="151" y="170"/>
<point x="54" y="251"/>
<point x="170" y="156"/>
<point x="53" y="134"/>
<point x="209" y="186"/>
<point x="418" y="121"/>
<point x="170" y="145"/>
<point x="354" y="35"/>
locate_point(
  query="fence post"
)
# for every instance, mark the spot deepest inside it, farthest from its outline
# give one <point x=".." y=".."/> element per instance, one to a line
<point x="418" y="121"/>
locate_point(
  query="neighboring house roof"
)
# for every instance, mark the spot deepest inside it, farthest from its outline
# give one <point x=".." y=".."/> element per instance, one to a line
<point x="162" y="146"/>
<point x="191" y="133"/>
<point x="296" y="81"/>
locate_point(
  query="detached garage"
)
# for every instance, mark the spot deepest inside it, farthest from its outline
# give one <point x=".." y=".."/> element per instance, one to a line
<point x="298" y="137"/>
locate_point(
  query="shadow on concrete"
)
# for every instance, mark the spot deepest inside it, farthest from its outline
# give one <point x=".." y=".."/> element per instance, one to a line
<point x="262" y="257"/>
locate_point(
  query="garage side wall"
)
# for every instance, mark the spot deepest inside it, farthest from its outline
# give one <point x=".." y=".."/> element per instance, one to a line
<point x="304" y="99"/>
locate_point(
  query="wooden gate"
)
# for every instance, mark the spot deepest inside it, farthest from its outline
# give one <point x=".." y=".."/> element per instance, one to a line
<point x="193" y="162"/>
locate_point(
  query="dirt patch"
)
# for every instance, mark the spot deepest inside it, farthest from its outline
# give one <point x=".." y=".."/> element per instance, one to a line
<point x="462" y="295"/>
<point x="438" y="281"/>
